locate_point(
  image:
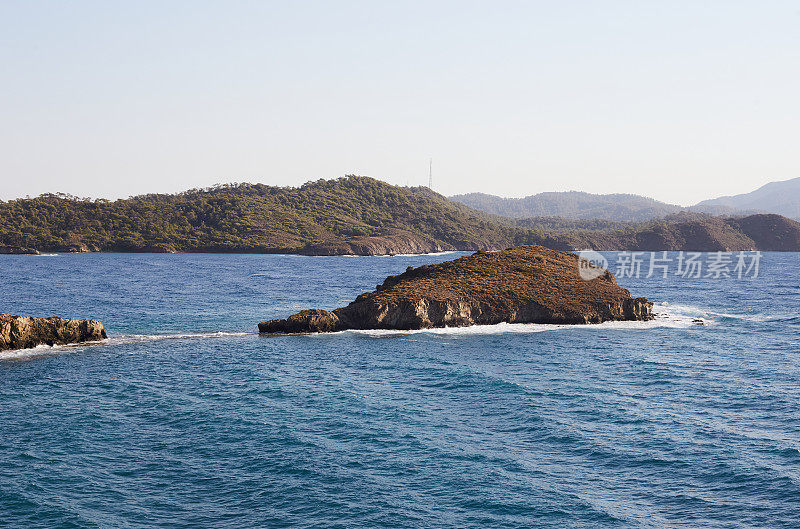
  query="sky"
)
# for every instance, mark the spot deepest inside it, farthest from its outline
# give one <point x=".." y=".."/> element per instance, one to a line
<point x="679" y="100"/>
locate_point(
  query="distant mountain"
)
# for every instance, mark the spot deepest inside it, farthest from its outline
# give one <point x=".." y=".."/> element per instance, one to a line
<point x="782" y="198"/>
<point x="574" y="205"/>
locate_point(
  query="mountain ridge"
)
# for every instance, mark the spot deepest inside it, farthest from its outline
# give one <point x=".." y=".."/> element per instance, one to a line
<point x="780" y="197"/>
<point x="571" y="205"/>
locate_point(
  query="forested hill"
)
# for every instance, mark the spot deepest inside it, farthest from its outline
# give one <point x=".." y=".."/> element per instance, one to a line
<point x="347" y="215"/>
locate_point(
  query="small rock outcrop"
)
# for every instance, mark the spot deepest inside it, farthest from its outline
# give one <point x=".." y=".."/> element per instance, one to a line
<point x="23" y="332"/>
<point x="82" y="247"/>
<point x="527" y="284"/>
<point x="18" y="250"/>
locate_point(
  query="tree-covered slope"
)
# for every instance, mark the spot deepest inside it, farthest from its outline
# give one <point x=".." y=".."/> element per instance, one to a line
<point x="346" y="215"/>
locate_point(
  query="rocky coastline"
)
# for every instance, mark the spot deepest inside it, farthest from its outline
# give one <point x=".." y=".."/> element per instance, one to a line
<point x="18" y="250"/>
<point x="25" y="332"/>
<point x="527" y="284"/>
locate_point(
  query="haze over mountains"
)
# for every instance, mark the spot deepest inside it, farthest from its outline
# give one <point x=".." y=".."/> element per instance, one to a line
<point x="782" y="198"/>
<point x="575" y="205"/>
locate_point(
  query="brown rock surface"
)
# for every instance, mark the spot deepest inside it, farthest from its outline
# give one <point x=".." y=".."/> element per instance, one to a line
<point x="23" y="332"/>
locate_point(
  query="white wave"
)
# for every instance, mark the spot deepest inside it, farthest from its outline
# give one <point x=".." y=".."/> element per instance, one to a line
<point x="48" y="255"/>
<point x="46" y="350"/>
<point x="21" y="354"/>
<point x="124" y="339"/>
<point x="698" y="312"/>
<point x="138" y="338"/>
<point x="664" y="318"/>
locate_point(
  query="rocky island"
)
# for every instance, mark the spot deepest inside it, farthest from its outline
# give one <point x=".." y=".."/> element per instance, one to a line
<point x="527" y="284"/>
<point x="24" y="332"/>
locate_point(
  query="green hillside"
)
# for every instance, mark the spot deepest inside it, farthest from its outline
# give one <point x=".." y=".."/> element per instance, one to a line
<point x="256" y="218"/>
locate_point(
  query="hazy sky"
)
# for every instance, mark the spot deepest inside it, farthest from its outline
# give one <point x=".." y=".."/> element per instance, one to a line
<point x="677" y="100"/>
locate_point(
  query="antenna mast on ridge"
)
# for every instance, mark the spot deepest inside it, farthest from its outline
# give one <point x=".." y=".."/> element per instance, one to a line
<point x="430" y="173"/>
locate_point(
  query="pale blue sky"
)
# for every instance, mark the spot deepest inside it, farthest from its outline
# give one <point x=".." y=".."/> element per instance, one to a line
<point x="679" y="100"/>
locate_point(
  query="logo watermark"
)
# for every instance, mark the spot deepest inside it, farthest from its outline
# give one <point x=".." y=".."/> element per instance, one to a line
<point x="591" y="264"/>
<point x="690" y="265"/>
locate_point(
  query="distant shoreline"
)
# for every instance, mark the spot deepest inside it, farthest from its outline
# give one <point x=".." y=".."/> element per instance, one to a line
<point x="45" y="253"/>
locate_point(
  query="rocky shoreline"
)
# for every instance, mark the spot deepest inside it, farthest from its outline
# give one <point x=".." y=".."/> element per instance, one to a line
<point x="18" y="250"/>
<point x="25" y="332"/>
<point x="527" y="284"/>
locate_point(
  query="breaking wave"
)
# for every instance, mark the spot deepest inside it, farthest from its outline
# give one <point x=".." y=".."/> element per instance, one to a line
<point x="123" y="339"/>
<point x="666" y="316"/>
<point x="138" y="338"/>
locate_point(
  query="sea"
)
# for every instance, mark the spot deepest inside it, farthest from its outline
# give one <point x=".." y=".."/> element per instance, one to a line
<point x="187" y="418"/>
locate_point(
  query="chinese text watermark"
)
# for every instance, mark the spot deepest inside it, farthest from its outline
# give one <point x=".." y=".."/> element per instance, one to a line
<point x="690" y="265"/>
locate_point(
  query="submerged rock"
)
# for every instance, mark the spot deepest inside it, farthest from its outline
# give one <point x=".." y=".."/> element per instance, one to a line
<point x="23" y="332"/>
<point x="527" y="284"/>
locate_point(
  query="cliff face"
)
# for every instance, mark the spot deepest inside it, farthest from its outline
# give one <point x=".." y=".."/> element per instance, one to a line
<point x="23" y="332"/>
<point x="527" y="284"/>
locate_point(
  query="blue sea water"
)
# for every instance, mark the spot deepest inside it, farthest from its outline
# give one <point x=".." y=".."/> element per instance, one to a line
<point x="187" y="417"/>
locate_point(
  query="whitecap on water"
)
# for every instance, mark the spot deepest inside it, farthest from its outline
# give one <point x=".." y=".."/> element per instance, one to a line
<point x="45" y="350"/>
<point x="137" y="338"/>
<point x="697" y="312"/>
<point x="124" y="339"/>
